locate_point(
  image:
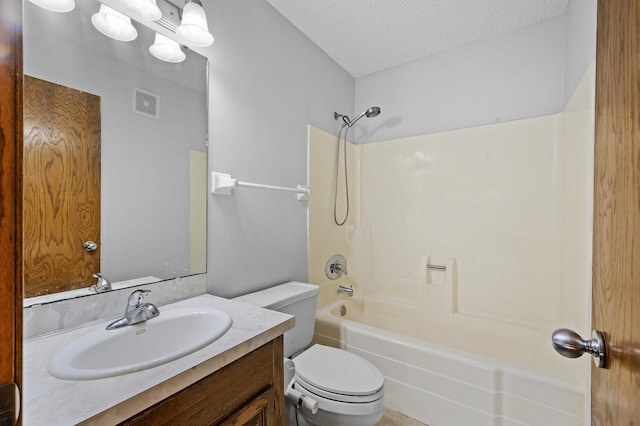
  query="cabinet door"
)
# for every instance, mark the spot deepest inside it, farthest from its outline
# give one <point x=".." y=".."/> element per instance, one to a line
<point x="249" y="391"/>
<point x="258" y="412"/>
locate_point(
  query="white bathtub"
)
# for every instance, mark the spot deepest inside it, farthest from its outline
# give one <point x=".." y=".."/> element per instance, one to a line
<point x="443" y="376"/>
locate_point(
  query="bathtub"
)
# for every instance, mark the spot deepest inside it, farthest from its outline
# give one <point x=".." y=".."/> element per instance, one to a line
<point x="442" y="376"/>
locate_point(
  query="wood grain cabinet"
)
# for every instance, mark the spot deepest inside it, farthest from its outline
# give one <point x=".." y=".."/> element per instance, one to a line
<point x="247" y="392"/>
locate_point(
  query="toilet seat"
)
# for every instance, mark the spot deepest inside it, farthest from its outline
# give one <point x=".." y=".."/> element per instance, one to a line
<point x="308" y="389"/>
<point x="338" y="375"/>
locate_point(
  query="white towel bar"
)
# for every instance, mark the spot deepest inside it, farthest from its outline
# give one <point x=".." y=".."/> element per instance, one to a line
<point x="222" y="183"/>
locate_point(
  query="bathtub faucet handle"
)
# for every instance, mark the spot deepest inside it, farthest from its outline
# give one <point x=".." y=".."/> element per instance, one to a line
<point x="336" y="267"/>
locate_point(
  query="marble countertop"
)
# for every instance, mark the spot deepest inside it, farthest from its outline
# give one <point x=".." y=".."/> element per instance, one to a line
<point x="51" y="401"/>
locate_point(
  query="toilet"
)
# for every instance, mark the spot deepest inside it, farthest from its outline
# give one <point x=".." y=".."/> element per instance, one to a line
<point x="324" y="386"/>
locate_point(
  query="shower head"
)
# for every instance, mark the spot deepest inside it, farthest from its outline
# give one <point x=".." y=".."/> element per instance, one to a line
<point x="370" y="112"/>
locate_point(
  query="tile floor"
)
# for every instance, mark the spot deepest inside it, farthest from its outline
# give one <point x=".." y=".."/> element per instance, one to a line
<point x="393" y="418"/>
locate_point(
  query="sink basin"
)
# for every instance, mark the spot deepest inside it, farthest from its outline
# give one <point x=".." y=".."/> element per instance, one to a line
<point x="107" y="353"/>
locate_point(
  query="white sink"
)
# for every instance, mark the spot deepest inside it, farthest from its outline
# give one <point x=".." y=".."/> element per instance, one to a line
<point x="107" y="353"/>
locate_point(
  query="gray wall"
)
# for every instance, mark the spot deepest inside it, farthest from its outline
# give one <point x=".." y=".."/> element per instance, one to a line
<point x="581" y="42"/>
<point x="267" y="83"/>
<point x="516" y="75"/>
<point x="525" y="73"/>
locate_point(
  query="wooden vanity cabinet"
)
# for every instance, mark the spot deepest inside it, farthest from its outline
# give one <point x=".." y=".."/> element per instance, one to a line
<point x="247" y="392"/>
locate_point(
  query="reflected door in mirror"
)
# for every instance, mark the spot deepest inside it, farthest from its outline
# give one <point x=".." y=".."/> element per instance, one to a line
<point x="62" y="130"/>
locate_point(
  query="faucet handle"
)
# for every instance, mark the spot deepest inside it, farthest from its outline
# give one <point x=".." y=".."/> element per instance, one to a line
<point x="136" y="299"/>
<point x="336" y="267"/>
<point x="102" y="285"/>
<point x="101" y="279"/>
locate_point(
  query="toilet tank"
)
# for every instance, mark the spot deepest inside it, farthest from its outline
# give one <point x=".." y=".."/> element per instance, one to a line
<point x="293" y="298"/>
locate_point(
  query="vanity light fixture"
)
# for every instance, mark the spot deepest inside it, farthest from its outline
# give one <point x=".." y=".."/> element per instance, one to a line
<point x="193" y="29"/>
<point x="114" y="21"/>
<point x="56" y="5"/>
<point x="114" y="24"/>
<point x="166" y="49"/>
<point x="139" y="9"/>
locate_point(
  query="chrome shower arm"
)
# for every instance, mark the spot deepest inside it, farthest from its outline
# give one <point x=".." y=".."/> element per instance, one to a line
<point x="352" y="122"/>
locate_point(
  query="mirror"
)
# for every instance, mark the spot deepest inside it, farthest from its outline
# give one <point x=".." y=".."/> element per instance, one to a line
<point x="152" y="144"/>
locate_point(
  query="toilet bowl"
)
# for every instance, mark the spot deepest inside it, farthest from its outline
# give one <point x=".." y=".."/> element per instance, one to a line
<point x="349" y="390"/>
<point x="324" y="386"/>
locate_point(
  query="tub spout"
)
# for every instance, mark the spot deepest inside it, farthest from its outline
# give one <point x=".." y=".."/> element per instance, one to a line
<point x="346" y="290"/>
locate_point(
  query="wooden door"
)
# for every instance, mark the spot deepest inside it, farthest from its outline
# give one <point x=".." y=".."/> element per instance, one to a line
<point x="10" y="204"/>
<point x="61" y="187"/>
<point x="616" y="242"/>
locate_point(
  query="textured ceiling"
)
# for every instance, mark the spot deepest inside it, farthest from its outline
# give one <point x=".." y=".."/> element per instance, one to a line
<point x="365" y="36"/>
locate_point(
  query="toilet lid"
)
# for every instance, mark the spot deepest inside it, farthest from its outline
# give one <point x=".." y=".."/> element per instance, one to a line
<point x="338" y="371"/>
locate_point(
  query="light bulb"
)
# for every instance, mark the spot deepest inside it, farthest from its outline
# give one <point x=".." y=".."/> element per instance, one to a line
<point x="146" y="10"/>
<point x="193" y="29"/>
<point x="114" y="24"/>
<point x="56" y="5"/>
<point x="166" y="49"/>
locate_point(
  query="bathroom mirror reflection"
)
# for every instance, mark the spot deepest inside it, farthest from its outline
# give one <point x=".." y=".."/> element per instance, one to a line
<point x="149" y="125"/>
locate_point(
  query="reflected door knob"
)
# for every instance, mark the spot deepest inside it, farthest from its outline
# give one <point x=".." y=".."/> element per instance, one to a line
<point x="569" y="343"/>
<point x="90" y="246"/>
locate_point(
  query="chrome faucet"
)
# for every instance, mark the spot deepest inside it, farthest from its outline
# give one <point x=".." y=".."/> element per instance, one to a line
<point x="338" y="268"/>
<point x="345" y="290"/>
<point x="102" y="285"/>
<point x="136" y="311"/>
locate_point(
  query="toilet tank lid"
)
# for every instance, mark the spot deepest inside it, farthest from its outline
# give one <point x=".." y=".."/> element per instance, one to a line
<point x="280" y="295"/>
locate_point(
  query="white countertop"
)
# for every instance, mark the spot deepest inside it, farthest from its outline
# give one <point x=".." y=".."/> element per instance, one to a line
<point x="51" y="401"/>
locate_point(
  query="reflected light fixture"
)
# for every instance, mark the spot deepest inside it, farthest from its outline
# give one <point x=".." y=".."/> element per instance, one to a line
<point x="114" y="24"/>
<point x="139" y="9"/>
<point x="193" y="29"/>
<point x="114" y="20"/>
<point x="56" y="5"/>
<point x="166" y="49"/>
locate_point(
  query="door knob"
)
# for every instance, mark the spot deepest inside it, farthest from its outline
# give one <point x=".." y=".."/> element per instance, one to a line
<point x="90" y="246"/>
<point x="569" y="343"/>
<point x="9" y="403"/>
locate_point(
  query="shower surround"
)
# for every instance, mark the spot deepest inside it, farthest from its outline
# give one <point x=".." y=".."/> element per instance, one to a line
<point x="506" y="207"/>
